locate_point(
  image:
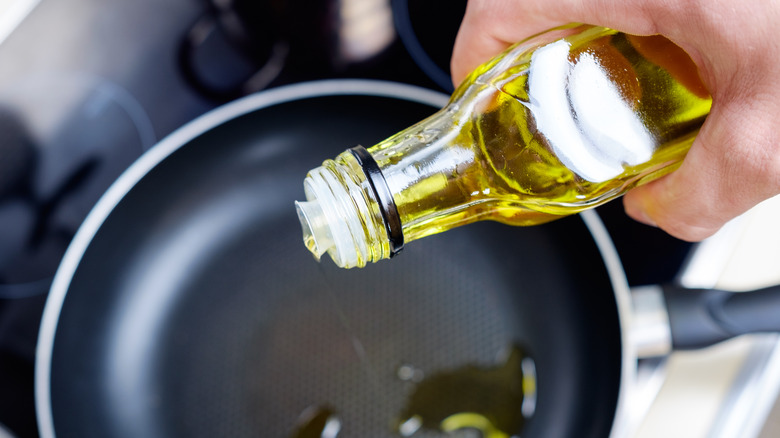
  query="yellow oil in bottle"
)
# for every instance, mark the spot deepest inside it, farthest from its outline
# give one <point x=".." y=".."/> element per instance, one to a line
<point x="561" y="122"/>
<point x="500" y="159"/>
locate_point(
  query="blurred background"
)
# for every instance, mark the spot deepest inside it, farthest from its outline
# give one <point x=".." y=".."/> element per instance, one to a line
<point x="87" y="86"/>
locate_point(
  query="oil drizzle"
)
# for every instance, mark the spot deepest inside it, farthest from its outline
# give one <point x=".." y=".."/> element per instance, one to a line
<point x="357" y="345"/>
<point x="360" y="350"/>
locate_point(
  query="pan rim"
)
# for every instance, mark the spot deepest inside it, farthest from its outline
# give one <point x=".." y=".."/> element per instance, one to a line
<point x="204" y="123"/>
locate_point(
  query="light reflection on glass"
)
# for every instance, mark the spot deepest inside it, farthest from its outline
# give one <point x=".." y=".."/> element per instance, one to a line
<point x="584" y="117"/>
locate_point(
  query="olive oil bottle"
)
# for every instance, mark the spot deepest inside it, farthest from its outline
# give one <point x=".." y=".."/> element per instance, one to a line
<point x="561" y="122"/>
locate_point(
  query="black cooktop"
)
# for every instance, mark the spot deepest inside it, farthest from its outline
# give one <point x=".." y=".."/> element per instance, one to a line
<point x="86" y="86"/>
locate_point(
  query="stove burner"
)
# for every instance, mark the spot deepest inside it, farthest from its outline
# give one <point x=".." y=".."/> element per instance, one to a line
<point x="69" y="137"/>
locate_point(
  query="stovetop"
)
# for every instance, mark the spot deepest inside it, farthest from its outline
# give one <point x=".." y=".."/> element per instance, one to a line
<point x="86" y="86"/>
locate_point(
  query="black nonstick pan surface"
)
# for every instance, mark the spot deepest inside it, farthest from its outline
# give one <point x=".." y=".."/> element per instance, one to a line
<point x="187" y="305"/>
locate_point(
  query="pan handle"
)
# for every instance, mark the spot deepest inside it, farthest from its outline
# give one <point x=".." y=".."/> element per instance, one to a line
<point x="703" y="317"/>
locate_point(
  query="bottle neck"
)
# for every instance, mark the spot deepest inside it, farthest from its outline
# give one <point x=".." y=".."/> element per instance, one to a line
<point x="424" y="167"/>
<point x="365" y="204"/>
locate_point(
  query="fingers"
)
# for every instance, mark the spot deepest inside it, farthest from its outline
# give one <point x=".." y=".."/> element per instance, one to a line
<point x="728" y="170"/>
<point x="681" y="203"/>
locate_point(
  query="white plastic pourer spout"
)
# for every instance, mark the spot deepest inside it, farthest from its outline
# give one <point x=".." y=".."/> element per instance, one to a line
<point x="316" y="231"/>
<point x="330" y="218"/>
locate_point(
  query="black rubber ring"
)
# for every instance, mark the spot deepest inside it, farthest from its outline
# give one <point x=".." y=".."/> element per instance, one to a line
<point x="387" y="205"/>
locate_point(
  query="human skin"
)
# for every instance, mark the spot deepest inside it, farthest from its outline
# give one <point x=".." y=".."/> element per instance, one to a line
<point x="734" y="163"/>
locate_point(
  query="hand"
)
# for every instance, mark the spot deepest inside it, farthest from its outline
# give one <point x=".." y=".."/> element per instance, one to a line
<point x="734" y="163"/>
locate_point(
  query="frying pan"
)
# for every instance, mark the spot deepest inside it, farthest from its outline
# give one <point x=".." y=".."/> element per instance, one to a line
<point x="187" y="305"/>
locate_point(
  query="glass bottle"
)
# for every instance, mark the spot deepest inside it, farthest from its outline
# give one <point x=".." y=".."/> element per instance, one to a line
<point x="564" y="121"/>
